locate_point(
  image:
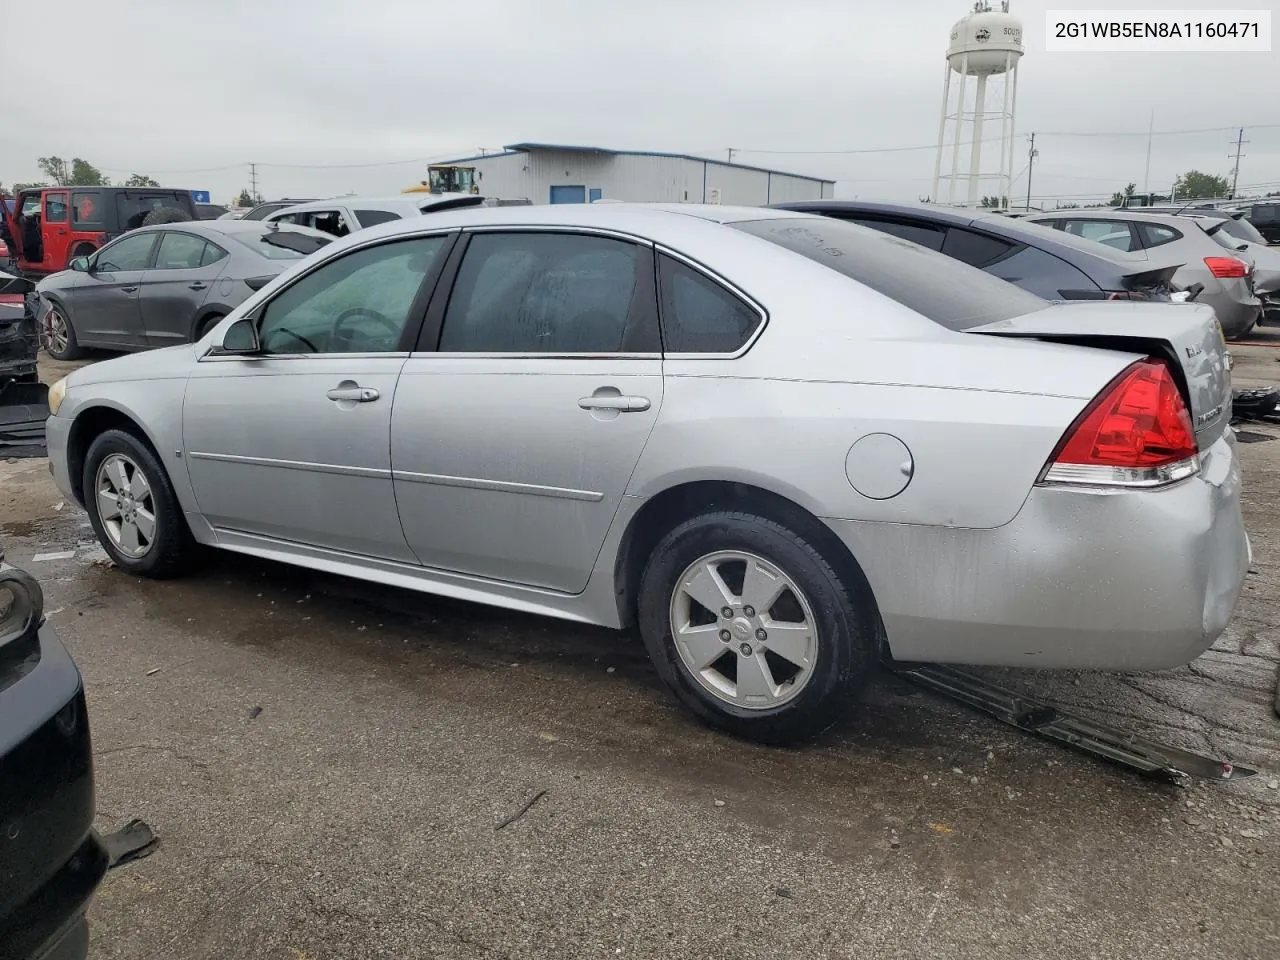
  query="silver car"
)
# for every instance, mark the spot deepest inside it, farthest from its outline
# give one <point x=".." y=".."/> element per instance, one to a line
<point x="780" y="445"/>
<point x="1164" y="240"/>
<point x="165" y="284"/>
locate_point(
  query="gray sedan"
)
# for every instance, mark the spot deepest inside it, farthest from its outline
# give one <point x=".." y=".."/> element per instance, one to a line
<point x="779" y="445"/>
<point x="166" y="284"/>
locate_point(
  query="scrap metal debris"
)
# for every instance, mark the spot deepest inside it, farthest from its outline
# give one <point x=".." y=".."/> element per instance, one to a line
<point x="1047" y="720"/>
<point x="1258" y="404"/>
<point x="528" y="805"/>
<point x="131" y="842"/>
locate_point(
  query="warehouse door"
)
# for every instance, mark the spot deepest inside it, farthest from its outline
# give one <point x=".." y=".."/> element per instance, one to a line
<point x="562" y="194"/>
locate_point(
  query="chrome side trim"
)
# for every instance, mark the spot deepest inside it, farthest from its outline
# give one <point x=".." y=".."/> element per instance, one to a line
<point x="500" y="486"/>
<point x="375" y="472"/>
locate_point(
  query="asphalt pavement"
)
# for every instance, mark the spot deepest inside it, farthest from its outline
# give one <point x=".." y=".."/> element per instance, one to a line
<point x="338" y="770"/>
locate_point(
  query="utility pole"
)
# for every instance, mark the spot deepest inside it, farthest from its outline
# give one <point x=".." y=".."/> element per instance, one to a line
<point x="731" y="153"/>
<point x="1031" y="162"/>
<point x="1146" y="177"/>
<point x="1235" y="174"/>
<point x="253" y="181"/>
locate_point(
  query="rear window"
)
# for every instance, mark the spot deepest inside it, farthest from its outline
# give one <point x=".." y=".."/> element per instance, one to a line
<point x="1243" y="230"/>
<point x="946" y="291"/>
<point x="280" y="244"/>
<point x="1265" y="213"/>
<point x="132" y="208"/>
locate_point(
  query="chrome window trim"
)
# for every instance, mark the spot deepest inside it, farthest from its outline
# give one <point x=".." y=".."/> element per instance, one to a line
<point x="732" y="288"/>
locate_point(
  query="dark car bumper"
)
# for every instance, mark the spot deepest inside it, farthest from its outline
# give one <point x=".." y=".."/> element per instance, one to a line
<point x="51" y="861"/>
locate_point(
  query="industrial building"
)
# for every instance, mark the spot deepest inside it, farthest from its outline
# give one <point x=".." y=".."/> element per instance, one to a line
<point x="552" y="173"/>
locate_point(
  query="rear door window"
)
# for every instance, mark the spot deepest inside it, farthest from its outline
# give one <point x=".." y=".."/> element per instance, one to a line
<point x="698" y="314"/>
<point x="179" y="251"/>
<point x="934" y="285"/>
<point x="86" y="210"/>
<point x="925" y="234"/>
<point x="369" y="218"/>
<point x="551" y="293"/>
<point x="1157" y="234"/>
<point x="1114" y="233"/>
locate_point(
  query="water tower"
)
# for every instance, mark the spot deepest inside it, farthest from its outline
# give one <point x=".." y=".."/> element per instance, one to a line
<point x="985" y="45"/>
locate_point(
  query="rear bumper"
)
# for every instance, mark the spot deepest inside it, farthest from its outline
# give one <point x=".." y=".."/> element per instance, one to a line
<point x="1237" y="316"/>
<point x="50" y="859"/>
<point x="1080" y="578"/>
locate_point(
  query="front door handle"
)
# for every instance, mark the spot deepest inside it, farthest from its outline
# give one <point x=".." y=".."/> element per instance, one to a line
<point x="621" y="404"/>
<point x="129" y="289"/>
<point x="358" y="394"/>
<point x="198" y="285"/>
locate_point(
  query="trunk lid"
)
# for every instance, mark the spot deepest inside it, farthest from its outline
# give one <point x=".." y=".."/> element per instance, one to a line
<point x="1188" y="335"/>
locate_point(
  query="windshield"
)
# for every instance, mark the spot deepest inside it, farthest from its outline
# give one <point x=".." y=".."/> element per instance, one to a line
<point x="281" y="244"/>
<point x="946" y="291"/>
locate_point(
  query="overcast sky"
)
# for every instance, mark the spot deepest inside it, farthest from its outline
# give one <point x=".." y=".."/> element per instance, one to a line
<point x="189" y="92"/>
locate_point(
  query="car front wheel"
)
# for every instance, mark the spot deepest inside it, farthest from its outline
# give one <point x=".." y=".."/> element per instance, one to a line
<point x="133" y="508"/>
<point x="58" y="336"/>
<point x="751" y="627"/>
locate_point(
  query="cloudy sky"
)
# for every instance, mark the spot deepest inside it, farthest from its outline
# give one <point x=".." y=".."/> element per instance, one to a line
<point x="332" y="96"/>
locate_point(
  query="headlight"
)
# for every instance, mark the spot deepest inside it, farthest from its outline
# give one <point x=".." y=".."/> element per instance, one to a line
<point x="21" y="605"/>
<point x="56" y="394"/>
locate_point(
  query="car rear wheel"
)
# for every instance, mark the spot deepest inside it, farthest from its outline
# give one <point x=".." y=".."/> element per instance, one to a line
<point x="133" y="508"/>
<point x="58" y="336"/>
<point x="752" y="629"/>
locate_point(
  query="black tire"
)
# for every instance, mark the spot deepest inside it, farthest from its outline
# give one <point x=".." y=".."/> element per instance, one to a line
<point x="166" y="215"/>
<point x="206" y="325"/>
<point x="848" y="626"/>
<point x="72" y="350"/>
<point x="172" y="551"/>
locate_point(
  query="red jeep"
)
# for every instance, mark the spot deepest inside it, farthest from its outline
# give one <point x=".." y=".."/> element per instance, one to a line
<point x="47" y="227"/>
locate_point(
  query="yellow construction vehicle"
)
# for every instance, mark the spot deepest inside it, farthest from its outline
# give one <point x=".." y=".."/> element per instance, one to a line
<point x="447" y="178"/>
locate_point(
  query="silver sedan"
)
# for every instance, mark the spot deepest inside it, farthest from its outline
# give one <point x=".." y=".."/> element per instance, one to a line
<point x="781" y="446"/>
<point x="164" y="284"/>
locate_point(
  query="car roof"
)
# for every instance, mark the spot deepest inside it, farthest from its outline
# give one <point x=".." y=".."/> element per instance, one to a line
<point x="1079" y="252"/>
<point x="213" y="228"/>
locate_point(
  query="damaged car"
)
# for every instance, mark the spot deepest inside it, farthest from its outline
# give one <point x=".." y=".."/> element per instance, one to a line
<point x="23" y="409"/>
<point x="754" y="435"/>
<point x="51" y="859"/>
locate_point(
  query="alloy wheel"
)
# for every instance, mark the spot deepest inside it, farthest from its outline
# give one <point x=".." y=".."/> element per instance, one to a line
<point x="126" y="505"/>
<point x="744" y="629"/>
<point x="54" y="332"/>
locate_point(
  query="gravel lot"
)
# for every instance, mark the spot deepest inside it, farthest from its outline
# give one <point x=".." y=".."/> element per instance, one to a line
<point x="327" y="764"/>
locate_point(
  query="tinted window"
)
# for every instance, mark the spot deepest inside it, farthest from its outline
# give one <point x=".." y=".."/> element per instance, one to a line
<point x="1114" y="233"/>
<point x="699" y="315"/>
<point x="944" y="290"/>
<point x="326" y="221"/>
<point x="179" y="251"/>
<point x="369" y="218"/>
<point x="1243" y="230"/>
<point x="127" y="253"/>
<point x="86" y="209"/>
<point x="922" y="233"/>
<point x="258" y="213"/>
<point x="1043" y="274"/>
<point x="281" y="244"/>
<point x="358" y="303"/>
<point x="212" y="254"/>
<point x="975" y="249"/>
<point x="132" y="209"/>
<point x="1265" y="213"/>
<point x="546" y="293"/>
<point x="55" y="208"/>
<point x="1155" y="234"/>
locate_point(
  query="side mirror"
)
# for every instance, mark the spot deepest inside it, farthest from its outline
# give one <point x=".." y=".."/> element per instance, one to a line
<point x="241" y="339"/>
<point x="80" y="264"/>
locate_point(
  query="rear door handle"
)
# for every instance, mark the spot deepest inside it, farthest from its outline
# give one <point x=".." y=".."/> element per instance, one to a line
<point x="621" y="404"/>
<point x="358" y="394"/>
<point x="198" y="285"/>
<point x="129" y="289"/>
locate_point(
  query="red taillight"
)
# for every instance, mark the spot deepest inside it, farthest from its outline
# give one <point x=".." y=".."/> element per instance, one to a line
<point x="1137" y="432"/>
<point x="1226" y="268"/>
